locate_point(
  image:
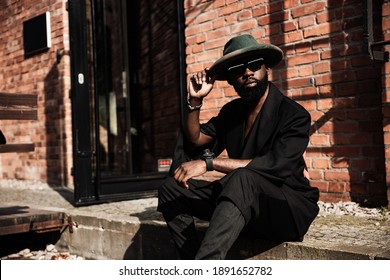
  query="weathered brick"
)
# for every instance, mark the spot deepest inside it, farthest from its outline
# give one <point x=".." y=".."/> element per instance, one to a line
<point x="232" y="8"/>
<point x="244" y="26"/>
<point x="337" y="176"/>
<point x="322" y="163"/>
<point x="323" y="29"/>
<point x="303" y="59"/>
<point x="319" y="140"/>
<point x="337" y="187"/>
<point x="306" y="21"/>
<point x="311" y="8"/>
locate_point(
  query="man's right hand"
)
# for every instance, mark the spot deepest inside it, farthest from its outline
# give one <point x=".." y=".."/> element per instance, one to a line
<point x="199" y="85"/>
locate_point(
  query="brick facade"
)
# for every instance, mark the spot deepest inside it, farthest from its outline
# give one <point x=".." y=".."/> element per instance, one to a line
<point x="38" y="74"/>
<point x="326" y="69"/>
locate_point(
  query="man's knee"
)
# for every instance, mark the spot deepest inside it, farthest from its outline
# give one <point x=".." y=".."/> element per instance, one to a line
<point x="243" y="172"/>
<point x="166" y="194"/>
<point x="241" y="177"/>
<point x="167" y="189"/>
<point x="246" y="180"/>
<point x="164" y="187"/>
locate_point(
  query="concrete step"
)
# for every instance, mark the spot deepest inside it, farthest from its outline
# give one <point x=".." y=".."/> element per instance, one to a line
<point x="100" y="238"/>
<point x="135" y="230"/>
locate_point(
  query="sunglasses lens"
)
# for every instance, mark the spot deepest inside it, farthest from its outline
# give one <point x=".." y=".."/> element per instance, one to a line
<point x="237" y="69"/>
<point x="240" y="69"/>
<point x="255" y="64"/>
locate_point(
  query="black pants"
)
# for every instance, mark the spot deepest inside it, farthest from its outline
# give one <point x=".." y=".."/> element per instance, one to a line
<point x="261" y="207"/>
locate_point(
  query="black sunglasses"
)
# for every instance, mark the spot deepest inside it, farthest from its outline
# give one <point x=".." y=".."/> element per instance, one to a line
<point x="240" y="69"/>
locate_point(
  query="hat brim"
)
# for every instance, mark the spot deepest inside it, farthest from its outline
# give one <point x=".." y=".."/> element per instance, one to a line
<point x="271" y="54"/>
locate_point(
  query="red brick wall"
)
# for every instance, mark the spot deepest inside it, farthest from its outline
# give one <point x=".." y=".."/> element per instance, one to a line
<point x="323" y="43"/>
<point x="38" y="74"/>
<point x="386" y="95"/>
<point x="348" y="155"/>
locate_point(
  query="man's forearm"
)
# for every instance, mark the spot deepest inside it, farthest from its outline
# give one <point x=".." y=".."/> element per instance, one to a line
<point x="226" y="165"/>
<point x="192" y="127"/>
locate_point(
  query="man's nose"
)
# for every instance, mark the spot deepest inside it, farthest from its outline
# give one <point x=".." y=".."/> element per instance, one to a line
<point x="248" y="72"/>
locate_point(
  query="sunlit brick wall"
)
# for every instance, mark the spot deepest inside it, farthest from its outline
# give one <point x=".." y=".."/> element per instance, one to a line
<point x="42" y="75"/>
<point x="326" y="69"/>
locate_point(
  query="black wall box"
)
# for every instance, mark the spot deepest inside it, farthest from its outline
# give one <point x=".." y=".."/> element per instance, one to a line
<point x="36" y="34"/>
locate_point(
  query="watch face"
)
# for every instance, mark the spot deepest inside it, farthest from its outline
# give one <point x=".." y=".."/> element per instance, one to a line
<point x="207" y="154"/>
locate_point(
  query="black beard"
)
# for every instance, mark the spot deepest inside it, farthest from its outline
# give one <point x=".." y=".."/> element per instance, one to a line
<point x="252" y="95"/>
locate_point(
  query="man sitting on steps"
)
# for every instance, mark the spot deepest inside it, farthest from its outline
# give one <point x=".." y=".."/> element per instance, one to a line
<point x="265" y="135"/>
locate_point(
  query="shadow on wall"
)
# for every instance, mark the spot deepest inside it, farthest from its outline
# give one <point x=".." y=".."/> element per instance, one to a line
<point x="346" y="149"/>
<point x="56" y="160"/>
<point x="341" y="87"/>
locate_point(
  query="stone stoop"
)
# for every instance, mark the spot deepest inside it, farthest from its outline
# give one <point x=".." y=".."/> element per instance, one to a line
<point x="101" y="238"/>
<point x="321" y="250"/>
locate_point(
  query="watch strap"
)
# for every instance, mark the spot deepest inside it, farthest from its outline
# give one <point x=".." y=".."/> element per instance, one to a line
<point x="193" y="108"/>
<point x="209" y="163"/>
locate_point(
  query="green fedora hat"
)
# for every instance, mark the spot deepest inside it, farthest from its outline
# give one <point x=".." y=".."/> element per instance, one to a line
<point x="241" y="47"/>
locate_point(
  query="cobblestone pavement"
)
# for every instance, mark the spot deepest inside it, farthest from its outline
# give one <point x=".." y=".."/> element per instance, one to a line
<point x="368" y="231"/>
<point x="50" y="253"/>
<point x="340" y="223"/>
<point x="347" y="223"/>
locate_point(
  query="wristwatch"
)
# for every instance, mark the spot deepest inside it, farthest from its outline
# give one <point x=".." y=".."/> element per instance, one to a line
<point x="193" y="108"/>
<point x="208" y="157"/>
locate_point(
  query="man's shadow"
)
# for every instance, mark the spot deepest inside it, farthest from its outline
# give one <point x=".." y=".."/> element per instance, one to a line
<point x="152" y="240"/>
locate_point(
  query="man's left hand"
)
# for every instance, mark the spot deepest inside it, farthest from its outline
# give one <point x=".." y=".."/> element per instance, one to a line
<point x="188" y="170"/>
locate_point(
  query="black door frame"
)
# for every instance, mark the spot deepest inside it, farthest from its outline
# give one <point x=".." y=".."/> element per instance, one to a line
<point x="89" y="190"/>
<point x="84" y="191"/>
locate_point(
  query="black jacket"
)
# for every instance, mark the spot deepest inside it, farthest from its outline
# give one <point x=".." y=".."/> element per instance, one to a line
<point x="276" y="144"/>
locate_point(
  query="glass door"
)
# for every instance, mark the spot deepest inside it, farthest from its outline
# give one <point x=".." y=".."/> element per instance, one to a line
<point x="133" y="110"/>
<point x="111" y="103"/>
